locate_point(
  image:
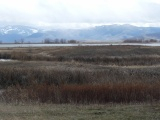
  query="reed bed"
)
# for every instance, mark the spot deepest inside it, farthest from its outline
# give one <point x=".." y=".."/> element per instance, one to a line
<point x="25" y="74"/>
<point x="81" y="75"/>
<point x="85" y="94"/>
<point x="107" y="55"/>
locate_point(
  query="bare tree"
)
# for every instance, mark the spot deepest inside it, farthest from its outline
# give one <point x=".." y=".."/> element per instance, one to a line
<point x="47" y="40"/>
<point x="73" y="41"/>
<point x="22" y="40"/>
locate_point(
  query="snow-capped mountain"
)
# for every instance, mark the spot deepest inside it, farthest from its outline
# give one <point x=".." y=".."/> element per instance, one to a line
<point x="12" y="33"/>
<point x="23" y="30"/>
<point x="102" y="33"/>
<point x="98" y="33"/>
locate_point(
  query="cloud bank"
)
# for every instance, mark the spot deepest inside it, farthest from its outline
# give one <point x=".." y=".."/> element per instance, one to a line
<point x="79" y="13"/>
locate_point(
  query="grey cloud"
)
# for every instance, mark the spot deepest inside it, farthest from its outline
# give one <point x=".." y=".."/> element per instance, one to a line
<point x="48" y="12"/>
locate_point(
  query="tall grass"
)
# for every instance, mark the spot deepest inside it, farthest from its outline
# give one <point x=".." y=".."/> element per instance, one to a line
<point x="90" y="75"/>
<point x="86" y="94"/>
<point x="120" y="85"/>
<point x="108" y="55"/>
<point x="27" y="74"/>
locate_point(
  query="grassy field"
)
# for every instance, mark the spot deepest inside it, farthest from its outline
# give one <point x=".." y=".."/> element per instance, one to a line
<point x="79" y="112"/>
<point x="91" y="74"/>
<point x="65" y="82"/>
<point x="70" y="82"/>
<point x="108" y="55"/>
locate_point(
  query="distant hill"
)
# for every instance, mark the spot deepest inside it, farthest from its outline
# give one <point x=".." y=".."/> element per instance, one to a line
<point x="98" y="33"/>
<point x="16" y="33"/>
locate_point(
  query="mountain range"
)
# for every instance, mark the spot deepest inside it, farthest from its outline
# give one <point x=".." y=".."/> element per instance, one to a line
<point x="105" y="33"/>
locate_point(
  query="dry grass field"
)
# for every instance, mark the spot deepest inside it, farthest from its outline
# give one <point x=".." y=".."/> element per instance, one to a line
<point x="79" y="112"/>
<point x="69" y="79"/>
<point x="108" y="55"/>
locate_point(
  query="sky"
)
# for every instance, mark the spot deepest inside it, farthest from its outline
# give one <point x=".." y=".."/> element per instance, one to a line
<point x="79" y="13"/>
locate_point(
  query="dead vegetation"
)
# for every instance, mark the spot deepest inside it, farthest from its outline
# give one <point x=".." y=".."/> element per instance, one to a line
<point x="108" y="55"/>
<point x="120" y="74"/>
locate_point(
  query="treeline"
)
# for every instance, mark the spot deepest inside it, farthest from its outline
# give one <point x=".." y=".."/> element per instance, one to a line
<point x="45" y="41"/>
<point x="58" y="41"/>
<point x="140" y="41"/>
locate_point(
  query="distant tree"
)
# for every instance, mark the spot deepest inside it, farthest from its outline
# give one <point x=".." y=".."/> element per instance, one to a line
<point x="47" y="40"/>
<point x="62" y="41"/>
<point x="22" y="40"/>
<point x="139" y="41"/>
<point x="15" y="41"/>
<point x="56" y="41"/>
<point x="73" y="41"/>
<point x="153" y="40"/>
<point x="133" y="41"/>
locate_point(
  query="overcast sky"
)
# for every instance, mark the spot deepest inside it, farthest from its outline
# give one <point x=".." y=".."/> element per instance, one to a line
<point x="79" y="13"/>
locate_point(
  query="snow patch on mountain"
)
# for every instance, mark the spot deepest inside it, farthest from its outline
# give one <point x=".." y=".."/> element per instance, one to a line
<point x="99" y="33"/>
<point x="34" y="30"/>
<point x="18" y="30"/>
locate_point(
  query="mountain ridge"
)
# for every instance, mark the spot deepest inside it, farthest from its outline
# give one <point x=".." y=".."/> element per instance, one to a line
<point x="100" y="33"/>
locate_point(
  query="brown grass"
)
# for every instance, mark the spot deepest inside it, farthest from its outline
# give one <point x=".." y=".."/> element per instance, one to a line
<point x="108" y="55"/>
<point x="28" y="73"/>
<point x="85" y="94"/>
<point x="81" y="74"/>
